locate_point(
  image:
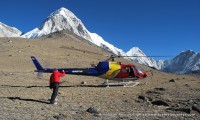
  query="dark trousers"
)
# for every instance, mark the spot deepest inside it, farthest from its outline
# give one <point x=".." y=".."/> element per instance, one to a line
<point x="55" y="87"/>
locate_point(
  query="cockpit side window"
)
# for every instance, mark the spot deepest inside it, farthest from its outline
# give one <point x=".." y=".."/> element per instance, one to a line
<point x="124" y="70"/>
<point x="128" y="70"/>
<point x="139" y="71"/>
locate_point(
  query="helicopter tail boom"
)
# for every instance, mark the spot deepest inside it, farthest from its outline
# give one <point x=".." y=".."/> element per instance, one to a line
<point x="37" y="64"/>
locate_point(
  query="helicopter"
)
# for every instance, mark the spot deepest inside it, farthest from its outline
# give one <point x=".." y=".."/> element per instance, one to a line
<point x="104" y="69"/>
<point x="108" y="69"/>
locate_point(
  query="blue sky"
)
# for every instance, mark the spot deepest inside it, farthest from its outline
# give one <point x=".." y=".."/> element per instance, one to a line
<point x="157" y="27"/>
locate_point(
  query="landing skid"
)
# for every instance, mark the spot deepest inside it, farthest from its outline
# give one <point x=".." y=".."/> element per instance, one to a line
<point x="121" y="84"/>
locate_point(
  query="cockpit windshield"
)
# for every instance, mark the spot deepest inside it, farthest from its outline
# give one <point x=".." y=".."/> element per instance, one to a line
<point x="139" y="71"/>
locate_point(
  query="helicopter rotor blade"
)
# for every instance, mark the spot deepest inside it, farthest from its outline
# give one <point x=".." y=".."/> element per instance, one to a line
<point x="118" y="56"/>
<point x="112" y="57"/>
<point x="145" y="56"/>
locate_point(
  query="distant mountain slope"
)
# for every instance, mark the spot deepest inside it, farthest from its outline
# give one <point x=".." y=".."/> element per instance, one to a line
<point x="185" y="62"/>
<point x="7" y="31"/>
<point x="135" y="51"/>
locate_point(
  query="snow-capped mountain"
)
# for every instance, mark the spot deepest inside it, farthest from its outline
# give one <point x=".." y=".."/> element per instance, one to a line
<point x="63" y="19"/>
<point x="135" y="51"/>
<point x="7" y="31"/>
<point x="60" y="20"/>
<point x="185" y="62"/>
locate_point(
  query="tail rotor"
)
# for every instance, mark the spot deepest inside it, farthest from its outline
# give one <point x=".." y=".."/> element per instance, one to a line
<point x="40" y="75"/>
<point x="38" y="66"/>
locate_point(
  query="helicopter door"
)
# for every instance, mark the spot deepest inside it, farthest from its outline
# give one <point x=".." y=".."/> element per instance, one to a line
<point x="129" y="71"/>
<point x="131" y="74"/>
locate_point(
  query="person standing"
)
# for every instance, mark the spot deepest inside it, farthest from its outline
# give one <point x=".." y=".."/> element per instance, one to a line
<point x="54" y="84"/>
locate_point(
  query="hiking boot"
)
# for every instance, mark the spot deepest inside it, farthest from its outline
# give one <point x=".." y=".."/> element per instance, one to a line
<point x="55" y="103"/>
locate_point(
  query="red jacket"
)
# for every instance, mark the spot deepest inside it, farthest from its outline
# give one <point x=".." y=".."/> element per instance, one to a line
<point x="55" y="76"/>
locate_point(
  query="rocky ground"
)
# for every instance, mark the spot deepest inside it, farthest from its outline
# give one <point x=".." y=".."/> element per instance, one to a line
<point x="24" y="96"/>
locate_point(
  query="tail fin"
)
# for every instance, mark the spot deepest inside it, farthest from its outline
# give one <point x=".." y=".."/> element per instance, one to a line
<point x="37" y="64"/>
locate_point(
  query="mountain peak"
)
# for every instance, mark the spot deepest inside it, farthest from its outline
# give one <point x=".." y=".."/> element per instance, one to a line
<point x="187" y="53"/>
<point x="135" y="48"/>
<point x="63" y="11"/>
<point x="63" y="8"/>
<point x="8" y="31"/>
<point x="61" y="19"/>
<point x="135" y="51"/>
<point x="186" y="62"/>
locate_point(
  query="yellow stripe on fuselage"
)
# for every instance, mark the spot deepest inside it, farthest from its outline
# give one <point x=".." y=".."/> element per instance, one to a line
<point x="114" y="68"/>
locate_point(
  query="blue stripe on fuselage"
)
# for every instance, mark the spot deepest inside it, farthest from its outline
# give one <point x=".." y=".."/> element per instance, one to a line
<point x="101" y="69"/>
<point x="76" y="71"/>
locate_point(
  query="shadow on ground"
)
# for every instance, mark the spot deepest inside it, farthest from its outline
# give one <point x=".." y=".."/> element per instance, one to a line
<point x="30" y="100"/>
